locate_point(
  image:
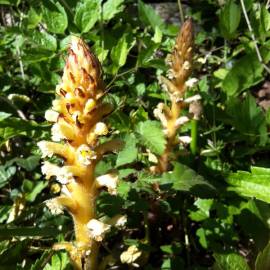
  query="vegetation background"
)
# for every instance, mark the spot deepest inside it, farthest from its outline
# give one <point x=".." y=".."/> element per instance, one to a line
<point x="212" y="210"/>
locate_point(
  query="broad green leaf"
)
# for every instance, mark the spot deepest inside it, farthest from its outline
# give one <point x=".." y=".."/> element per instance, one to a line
<point x="120" y="52"/>
<point x="59" y="261"/>
<point x="129" y="152"/>
<point x="149" y="17"/>
<point x="87" y="14"/>
<point x="37" y="55"/>
<point x="231" y="261"/>
<point x="245" y="73"/>
<point x="248" y="118"/>
<point x="55" y="17"/>
<point x="152" y="136"/>
<point x="12" y="127"/>
<point x="230" y="16"/>
<point x="5" y="174"/>
<point x="254" y="184"/>
<point x="263" y="259"/>
<point x="203" y="212"/>
<point x="111" y="8"/>
<point x="42" y="40"/>
<point x="183" y="178"/>
<point x="265" y="19"/>
<point x="29" y="163"/>
<point x="158" y="35"/>
<point x="33" y="18"/>
<point x="123" y="189"/>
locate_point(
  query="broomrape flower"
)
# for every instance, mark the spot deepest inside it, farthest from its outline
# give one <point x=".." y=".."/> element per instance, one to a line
<point x="97" y="229"/>
<point x="55" y="207"/>
<point x="51" y="116"/>
<point x="109" y="181"/>
<point x="176" y="83"/>
<point x="85" y="155"/>
<point x="131" y="255"/>
<point x="45" y="148"/>
<point x="77" y="114"/>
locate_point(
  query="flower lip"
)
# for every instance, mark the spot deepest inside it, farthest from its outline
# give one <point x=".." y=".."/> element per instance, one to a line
<point x="108" y="180"/>
<point x="45" y="149"/>
<point x="85" y="155"/>
<point x="97" y="229"/>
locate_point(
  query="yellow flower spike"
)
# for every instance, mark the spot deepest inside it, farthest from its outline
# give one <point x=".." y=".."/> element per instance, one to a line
<point x="78" y="114"/>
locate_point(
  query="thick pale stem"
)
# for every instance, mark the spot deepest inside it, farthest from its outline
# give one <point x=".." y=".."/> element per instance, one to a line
<point x="164" y="159"/>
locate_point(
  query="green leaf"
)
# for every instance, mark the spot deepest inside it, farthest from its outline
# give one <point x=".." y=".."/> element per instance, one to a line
<point x="41" y="261"/>
<point x="248" y="119"/>
<point x="149" y="17"/>
<point x="10" y="2"/>
<point x="4" y="115"/>
<point x="32" y="189"/>
<point x="42" y="40"/>
<point x="245" y="73"/>
<point x="111" y="8"/>
<point x="229" y="19"/>
<point x="129" y="152"/>
<point x="12" y="127"/>
<point x="204" y="206"/>
<point x="231" y="261"/>
<point x="183" y="178"/>
<point x="254" y="184"/>
<point x="37" y="55"/>
<point x="5" y="174"/>
<point x="59" y="261"/>
<point x="33" y="18"/>
<point x="152" y="136"/>
<point x="120" y="52"/>
<point x="265" y="18"/>
<point x="55" y="17"/>
<point x="263" y="259"/>
<point x="29" y="163"/>
<point x="87" y="14"/>
<point x="123" y="189"/>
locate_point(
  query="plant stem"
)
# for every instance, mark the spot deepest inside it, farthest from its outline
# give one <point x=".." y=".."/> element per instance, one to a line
<point x="253" y="36"/>
<point x="181" y="11"/>
<point x="194" y="136"/>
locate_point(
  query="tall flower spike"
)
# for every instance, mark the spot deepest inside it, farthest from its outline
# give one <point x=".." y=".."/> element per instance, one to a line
<point x="77" y="114"/>
<point x="180" y="63"/>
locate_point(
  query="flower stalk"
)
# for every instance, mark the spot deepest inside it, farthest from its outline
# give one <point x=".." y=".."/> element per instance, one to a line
<point x="180" y="62"/>
<point x="77" y="114"/>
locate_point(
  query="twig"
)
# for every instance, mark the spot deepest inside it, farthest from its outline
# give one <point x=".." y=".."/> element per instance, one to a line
<point x="253" y="37"/>
<point x="268" y="4"/>
<point x="181" y="13"/>
<point x="19" y="112"/>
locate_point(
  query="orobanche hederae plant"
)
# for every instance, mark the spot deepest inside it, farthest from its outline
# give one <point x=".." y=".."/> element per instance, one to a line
<point x="77" y="114"/>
